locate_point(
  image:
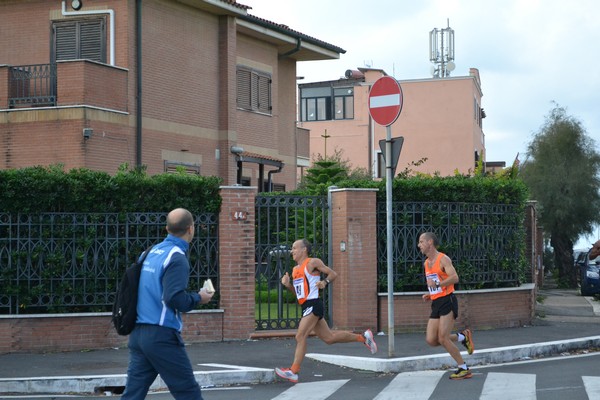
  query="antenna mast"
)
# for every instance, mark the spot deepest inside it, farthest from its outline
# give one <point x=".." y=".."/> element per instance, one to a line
<point x="441" y="51"/>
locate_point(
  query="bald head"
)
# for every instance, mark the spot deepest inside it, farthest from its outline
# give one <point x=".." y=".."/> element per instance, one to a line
<point x="179" y="221"/>
<point x="595" y="251"/>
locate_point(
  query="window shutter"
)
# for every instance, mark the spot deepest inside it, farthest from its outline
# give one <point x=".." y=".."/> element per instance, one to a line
<point x="243" y="89"/>
<point x="264" y="94"/>
<point x="65" y="41"/>
<point x="91" y="34"/>
<point x="253" y="91"/>
<point x="83" y="39"/>
<point x="254" y="88"/>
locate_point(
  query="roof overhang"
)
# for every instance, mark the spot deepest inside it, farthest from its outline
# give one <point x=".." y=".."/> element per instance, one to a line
<point x="218" y="7"/>
<point x="259" y="159"/>
<point x="289" y="43"/>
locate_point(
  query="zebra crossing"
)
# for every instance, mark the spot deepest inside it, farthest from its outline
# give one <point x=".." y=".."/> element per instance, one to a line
<point x="422" y="384"/>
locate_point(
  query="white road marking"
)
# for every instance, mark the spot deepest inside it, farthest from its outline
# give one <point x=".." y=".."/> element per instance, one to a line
<point x="592" y="386"/>
<point x="501" y="386"/>
<point x="312" y="390"/>
<point x="412" y="386"/>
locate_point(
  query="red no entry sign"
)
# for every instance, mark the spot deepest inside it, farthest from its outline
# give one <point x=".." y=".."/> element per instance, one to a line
<point x="385" y="101"/>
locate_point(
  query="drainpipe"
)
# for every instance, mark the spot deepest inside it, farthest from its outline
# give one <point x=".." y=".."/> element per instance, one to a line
<point x="138" y="54"/>
<point x="111" y="14"/>
<point x="294" y="50"/>
<point x="270" y="179"/>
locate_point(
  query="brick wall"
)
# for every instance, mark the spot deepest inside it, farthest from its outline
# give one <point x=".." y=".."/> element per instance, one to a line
<point x="478" y="309"/>
<point x="236" y="261"/>
<point x="75" y="332"/>
<point x="354" y="237"/>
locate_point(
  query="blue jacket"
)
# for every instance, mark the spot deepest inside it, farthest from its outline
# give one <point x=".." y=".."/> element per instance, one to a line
<point x="162" y="295"/>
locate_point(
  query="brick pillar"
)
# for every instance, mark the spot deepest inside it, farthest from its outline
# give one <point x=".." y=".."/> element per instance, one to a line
<point x="354" y="224"/>
<point x="236" y="261"/>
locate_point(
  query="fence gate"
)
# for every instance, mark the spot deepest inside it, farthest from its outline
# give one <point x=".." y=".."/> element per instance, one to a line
<point x="281" y="220"/>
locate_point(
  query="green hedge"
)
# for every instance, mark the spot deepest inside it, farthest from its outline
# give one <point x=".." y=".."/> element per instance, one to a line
<point x="51" y="189"/>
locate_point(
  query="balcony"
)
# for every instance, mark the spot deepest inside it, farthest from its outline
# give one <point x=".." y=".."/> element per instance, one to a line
<point x="66" y="83"/>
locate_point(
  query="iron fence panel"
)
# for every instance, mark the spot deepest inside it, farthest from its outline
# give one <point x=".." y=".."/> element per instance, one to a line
<point x="280" y="220"/>
<point x="72" y="262"/>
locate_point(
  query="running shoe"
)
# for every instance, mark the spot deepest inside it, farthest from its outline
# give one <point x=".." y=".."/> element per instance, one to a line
<point x="468" y="341"/>
<point x="287" y="373"/>
<point x="461" y="374"/>
<point x="370" y="341"/>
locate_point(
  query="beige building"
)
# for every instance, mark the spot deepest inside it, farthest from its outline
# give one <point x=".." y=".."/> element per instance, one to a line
<point x="196" y="84"/>
<point x="441" y="122"/>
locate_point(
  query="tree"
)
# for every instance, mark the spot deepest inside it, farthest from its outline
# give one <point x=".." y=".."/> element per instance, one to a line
<point x="328" y="171"/>
<point x="561" y="171"/>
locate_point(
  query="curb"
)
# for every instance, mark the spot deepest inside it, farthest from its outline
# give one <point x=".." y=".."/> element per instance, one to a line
<point x="228" y="375"/>
<point x="443" y="361"/>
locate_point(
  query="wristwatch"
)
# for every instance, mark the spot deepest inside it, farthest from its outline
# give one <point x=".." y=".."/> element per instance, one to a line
<point x="328" y="281"/>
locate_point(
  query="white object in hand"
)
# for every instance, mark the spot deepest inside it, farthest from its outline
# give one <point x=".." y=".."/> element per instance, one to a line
<point x="208" y="286"/>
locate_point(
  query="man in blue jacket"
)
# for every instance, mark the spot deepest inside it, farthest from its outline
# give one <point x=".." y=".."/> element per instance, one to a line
<point x="155" y="345"/>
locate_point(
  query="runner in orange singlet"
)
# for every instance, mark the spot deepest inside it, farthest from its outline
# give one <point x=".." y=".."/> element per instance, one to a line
<point x="441" y="277"/>
<point x="306" y="283"/>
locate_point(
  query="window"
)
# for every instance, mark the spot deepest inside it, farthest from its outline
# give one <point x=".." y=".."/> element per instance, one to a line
<point x="173" y="167"/>
<point x="326" y="103"/>
<point x="253" y="90"/>
<point x="82" y="39"/>
<point x="278" y="187"/>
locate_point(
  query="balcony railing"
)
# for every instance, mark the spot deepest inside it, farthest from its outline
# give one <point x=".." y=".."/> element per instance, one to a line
<point x="32" y="85"/>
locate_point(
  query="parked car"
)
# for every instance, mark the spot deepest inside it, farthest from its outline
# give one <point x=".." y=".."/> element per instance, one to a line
<point x="589" y="274"/>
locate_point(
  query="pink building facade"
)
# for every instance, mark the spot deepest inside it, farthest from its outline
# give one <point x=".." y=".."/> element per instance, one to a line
<point x="441" y="122"/>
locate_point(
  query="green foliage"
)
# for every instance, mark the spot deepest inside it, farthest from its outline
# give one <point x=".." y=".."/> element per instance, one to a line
<point x="562" y="172"/>
<point x="51" y="189"/>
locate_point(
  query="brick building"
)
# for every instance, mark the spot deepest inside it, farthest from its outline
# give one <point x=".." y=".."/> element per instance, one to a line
<point x="195" y="84"/>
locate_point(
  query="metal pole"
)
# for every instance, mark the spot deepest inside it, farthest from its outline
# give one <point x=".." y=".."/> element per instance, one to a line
<point x="389" y="235"/>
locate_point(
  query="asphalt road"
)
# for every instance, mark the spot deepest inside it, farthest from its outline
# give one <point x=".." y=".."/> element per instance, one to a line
<point x="573" y="377"/>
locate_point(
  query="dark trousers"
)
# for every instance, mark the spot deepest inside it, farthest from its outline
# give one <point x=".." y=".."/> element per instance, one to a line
<point x="155" y="350"/>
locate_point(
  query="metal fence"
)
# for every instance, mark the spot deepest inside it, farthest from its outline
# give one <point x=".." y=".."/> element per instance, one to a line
<point x="484" y="242"/>
<point x="72" y="262"/>
<point x="32" y="85"/>
<point x="281" y="220"/>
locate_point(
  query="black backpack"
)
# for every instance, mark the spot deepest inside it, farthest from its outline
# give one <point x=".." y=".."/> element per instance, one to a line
<point x="124" y="311"/>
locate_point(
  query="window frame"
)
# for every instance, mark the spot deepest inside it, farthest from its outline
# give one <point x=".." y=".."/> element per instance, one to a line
<point x="321" y="107"/>
<point x="254" y="90"/>
<point x="86" y="41"/>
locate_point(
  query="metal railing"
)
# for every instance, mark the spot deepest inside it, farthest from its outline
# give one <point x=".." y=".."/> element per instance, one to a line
<point x="32" y="85"/>
<point x="483" y="241"/>
<point x="72" y="262"/>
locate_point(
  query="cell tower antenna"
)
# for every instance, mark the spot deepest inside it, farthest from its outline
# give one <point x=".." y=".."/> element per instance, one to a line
<point x="441" y="51"/>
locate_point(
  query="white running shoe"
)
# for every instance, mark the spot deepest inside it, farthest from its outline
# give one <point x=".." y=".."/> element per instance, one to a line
<point x="287" y="373"/>
<point x="370" y="341"/>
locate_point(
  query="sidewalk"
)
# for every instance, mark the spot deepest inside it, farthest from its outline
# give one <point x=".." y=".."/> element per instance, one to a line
<point x="569" y="322"/>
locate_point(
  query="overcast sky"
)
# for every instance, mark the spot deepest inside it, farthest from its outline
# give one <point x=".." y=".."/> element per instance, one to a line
<point x="529" y="53"/>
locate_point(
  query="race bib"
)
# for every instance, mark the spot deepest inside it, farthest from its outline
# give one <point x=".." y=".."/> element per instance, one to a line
<point x="436" y="279"/>
<point x="299" y="288"/>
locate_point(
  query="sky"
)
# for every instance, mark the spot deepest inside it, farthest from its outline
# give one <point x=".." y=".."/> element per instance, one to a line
<point x="531" y="54"/>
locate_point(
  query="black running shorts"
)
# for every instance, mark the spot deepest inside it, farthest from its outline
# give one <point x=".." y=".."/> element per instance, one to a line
<point x="443" y="305"/>
<point x="314" y="306"/>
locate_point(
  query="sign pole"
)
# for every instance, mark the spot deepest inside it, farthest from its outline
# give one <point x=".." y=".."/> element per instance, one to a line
<point x="390" y="266"/>
<point x="385" y="104"/>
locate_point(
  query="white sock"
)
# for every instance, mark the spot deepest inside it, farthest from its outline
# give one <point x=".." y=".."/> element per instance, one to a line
<point x="460" y="336"/>
<point x="463" y="366"/>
